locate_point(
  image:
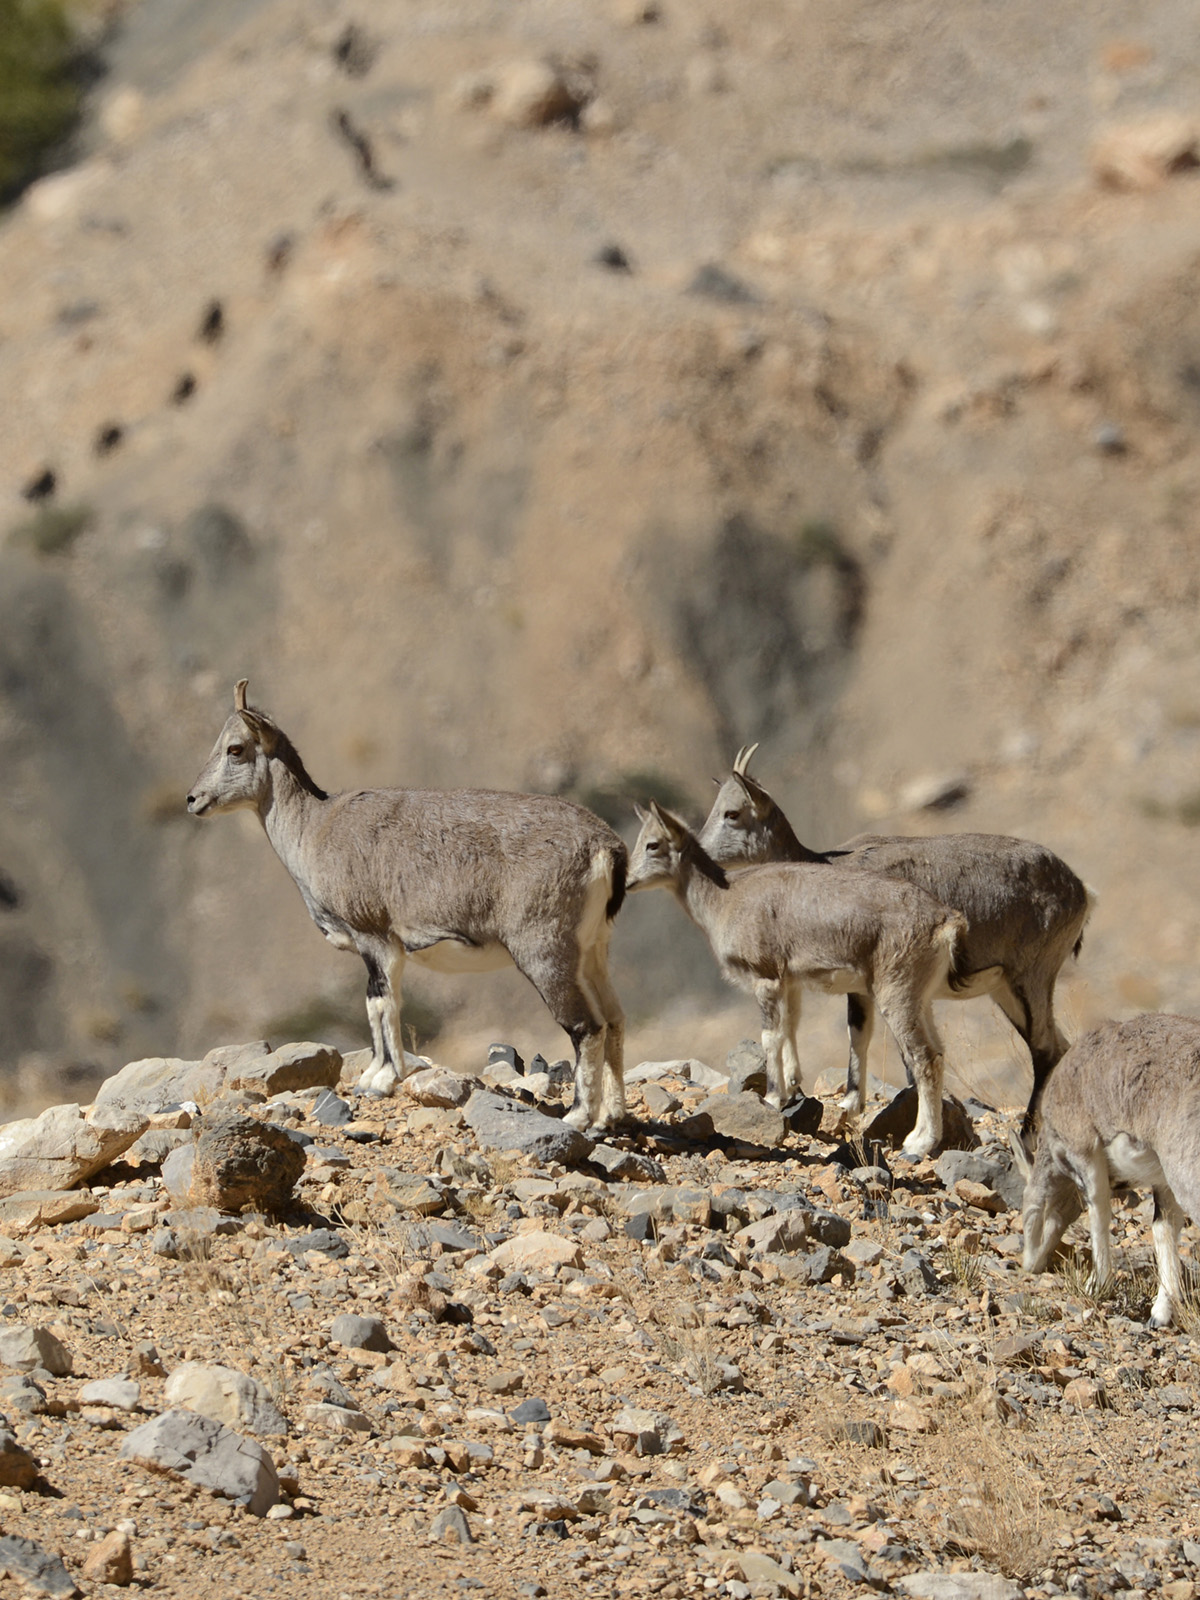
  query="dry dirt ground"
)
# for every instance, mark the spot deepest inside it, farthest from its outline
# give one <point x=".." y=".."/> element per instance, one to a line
<point x="926" y="1408"/>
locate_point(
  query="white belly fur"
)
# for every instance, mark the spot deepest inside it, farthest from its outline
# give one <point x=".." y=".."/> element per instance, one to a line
<point x="1133" y="1163"/>
<point x="448" y="955"/>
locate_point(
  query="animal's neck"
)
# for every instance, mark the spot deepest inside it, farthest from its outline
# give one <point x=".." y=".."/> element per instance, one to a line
<point x="700" y="885"/>
<point x="784" y="844"/>
<point x="287" y="812"/>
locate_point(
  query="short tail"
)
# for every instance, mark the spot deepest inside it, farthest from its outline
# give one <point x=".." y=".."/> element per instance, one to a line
<point x="952" y="933"/>
<point x="1088" y="909"/>
<point x="618" y="866"/>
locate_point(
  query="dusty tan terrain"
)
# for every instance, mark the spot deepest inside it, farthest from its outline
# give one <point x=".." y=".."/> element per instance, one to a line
<point x="928" y="1408"/>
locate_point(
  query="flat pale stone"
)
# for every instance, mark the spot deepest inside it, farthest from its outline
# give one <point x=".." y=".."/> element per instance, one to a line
<point x="120" y="1393"/>
<point x="537" y="1250"/>
<point x="959" y="1586"/>
<point x="225" y="1395"/>
<point x="438" y="1086"/>
<point x="760" y="1568"/>
<point x="292" y="1067"/>
<point x="159" y="1081"/>
<point x="44" y="1208"/>
<point x="63" y="1147"/>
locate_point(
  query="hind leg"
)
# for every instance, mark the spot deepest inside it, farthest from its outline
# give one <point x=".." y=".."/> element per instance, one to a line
<point x="860" y="1024"/>
<point x="604" y="999"/>
<point x="911" y="1021"/>
<point x="557" y="973"/>
<point x="1027" y="1000"/>
<point x="1168" y="1219"/>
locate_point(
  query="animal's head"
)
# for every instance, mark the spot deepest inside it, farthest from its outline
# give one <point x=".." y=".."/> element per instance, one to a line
<point x="1051" y="1202"/>
<point x="736" y="831"/>
<point x="236" y="774"/>
<point x="658" y="850"/>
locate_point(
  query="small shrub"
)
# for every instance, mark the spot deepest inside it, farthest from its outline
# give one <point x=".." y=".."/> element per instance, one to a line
<point x="40" y="91"/>
<point x="54" y="529"/>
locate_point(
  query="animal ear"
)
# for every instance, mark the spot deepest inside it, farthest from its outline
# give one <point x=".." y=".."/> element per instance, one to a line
<point x="239" y="694"/>
<point x="640" y="812"/>
<point x="742" y="760"/>
<point x="676" y="827"/>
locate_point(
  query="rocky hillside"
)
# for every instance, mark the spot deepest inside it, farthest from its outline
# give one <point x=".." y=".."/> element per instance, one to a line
<point x="475" y="1351"/>
<point x="558" y="396"/>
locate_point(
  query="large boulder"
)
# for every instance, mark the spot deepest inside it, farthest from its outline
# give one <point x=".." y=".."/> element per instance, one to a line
<point x="185" y="1445"/>
<point x="503" y="1124"/>
<point x="151" y="1085"/>
<point x="291" y="1068"/>
<point x="64" y="1146"/>
<point x="743" y="1116"/>
<point x="898" y="1118"/>
<point x="242" y="1163"/>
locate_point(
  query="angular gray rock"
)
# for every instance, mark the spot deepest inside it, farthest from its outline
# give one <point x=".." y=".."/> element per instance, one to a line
<point x="241" y="1162"/>
<point x="451" y="1526"/>
<point x="177" y="1171"/>
<point x="503" y="1124"/>
<point x="746" y="1065"/>
<point x="122" y="1394"/>
<point x="360" y="1333"/>
<point x="149" y="1086"/>
<point x="64" y="1146"/>
<point x="290" y="1068"/>
<point x="225" y="1395"/>
<point x="745" y="1117"/>
<point x="38" y="1570"/>
<point x="185" y="1445"/>
<point x="627" y="1166"/>
<point x="25" y="1348"/>
<point x="996" y="1172"/>
<point x="21" y="1394"/>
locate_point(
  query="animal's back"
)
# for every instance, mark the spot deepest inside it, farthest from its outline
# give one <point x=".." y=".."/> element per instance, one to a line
<point x="836" y="917"/>
<point x="1140" y="1077"/>
<point x="495" y="858"/>
<point x="1010" y="890"/>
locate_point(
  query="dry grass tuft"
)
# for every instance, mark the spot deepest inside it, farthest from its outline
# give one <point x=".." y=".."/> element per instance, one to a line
<point x="993" y="1502"/>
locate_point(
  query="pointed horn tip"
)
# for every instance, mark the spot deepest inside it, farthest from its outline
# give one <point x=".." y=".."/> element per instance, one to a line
<point x="239" y="694"/>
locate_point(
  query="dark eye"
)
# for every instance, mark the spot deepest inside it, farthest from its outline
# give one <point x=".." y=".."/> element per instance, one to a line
<point x="235" y="749"/>
<point x="732" y="816"/>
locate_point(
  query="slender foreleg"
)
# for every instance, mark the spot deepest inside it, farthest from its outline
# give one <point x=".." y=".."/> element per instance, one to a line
<point x="385" y="971"/>
<point x="1097" y="1191"/>
<point x="603" y="998"/>
<point x="1168" y="1220"/>
<point x="772" y="1004"/>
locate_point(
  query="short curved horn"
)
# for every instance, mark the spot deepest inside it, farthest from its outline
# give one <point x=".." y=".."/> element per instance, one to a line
<point x="239" y="694"/>
<point x="742" y="760"/>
